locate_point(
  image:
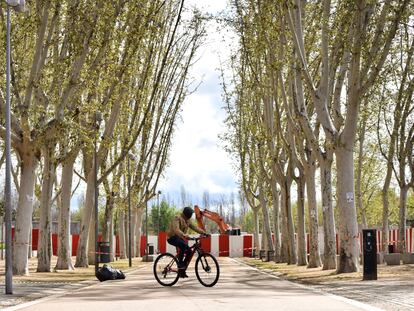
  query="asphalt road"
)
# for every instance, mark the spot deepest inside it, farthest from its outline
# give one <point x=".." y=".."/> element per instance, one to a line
<point x="240" y="287"/>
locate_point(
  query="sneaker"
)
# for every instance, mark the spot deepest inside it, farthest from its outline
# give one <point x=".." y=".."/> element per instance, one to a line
<point x="183" y="275"/>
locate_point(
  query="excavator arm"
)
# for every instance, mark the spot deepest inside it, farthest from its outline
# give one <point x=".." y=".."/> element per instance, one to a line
<point x="224" y="228"/>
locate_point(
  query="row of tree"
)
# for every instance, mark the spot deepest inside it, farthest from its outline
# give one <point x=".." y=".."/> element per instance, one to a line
<point x="313" y="84"/>
<point x="91" y="83"/>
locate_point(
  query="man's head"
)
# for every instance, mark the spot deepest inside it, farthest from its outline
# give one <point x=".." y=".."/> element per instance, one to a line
<point x="188" y="212"/>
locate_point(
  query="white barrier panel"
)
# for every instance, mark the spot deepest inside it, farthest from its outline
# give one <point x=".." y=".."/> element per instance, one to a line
<point x="171" y="249"/>
<point x="321" y="240"/>
<point x="153" y="239"/>
<point x="191" y="242"/>
<point x="236" y="245"/>
<point x="215" y="245"/>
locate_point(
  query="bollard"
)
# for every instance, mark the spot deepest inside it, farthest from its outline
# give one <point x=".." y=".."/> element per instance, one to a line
<point x="370" y="254"/>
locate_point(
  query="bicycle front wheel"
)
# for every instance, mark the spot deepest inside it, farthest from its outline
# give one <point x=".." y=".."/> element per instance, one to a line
<point x="166" y="269"/>
<point x="207" y="270"/>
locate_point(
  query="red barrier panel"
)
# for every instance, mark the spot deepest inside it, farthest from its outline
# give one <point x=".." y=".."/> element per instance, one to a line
<point x="35" y="239"/>
<point x="162" y="240"/>
<point x="206" y="244"/>
<point x="410" y="240"/>
<point x="393" y="237"/>
<point x="308" y="243"/>
<point x="54" y="244"/>
<point x="247" y="245"/>
<point x="224" y="245"/>
<point x="75" y="241"/>
<point x="143" y="244"/>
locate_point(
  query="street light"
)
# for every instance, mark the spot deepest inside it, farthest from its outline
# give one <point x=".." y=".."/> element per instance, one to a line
<point x="133" y="158"/>
<point x="98" y="120"/>
<point x="146" y="257"/>
<point x="158" y="221"/>
<point x="18" y="6"/>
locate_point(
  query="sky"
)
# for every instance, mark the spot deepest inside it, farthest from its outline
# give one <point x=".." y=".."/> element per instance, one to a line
<point x="197" y="159"/>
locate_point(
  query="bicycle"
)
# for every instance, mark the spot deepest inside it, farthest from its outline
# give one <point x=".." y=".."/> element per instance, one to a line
<point x="206" y="266"/>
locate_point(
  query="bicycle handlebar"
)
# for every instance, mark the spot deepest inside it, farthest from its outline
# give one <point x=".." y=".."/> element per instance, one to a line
<point x="199" y="237"/>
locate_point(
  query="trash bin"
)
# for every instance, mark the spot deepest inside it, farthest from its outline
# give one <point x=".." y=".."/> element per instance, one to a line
<point x="235" y="232"/>
<point x="104" y="252"/>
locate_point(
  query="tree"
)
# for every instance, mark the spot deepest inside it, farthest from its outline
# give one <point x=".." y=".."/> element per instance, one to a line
<point x="400" y="138"/>
<point x="46" y="71"/>
<point x="361" y="35"/>
<point x="166" y="214"/>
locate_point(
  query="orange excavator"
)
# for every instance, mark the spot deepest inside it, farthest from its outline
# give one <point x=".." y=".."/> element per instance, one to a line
<point x="224" y="228"/>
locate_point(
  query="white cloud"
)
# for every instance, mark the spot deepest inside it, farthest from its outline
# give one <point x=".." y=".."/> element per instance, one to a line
<point x="197" y="160"/>
<point x="210" y="6"/>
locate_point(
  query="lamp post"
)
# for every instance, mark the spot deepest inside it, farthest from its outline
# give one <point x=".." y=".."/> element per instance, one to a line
<point x="98" y="119"/>
<point x="130" y="157"/>
<point x="146" y="258"/>
<point x="158" y="221"/>
<point x="18" y="6"/>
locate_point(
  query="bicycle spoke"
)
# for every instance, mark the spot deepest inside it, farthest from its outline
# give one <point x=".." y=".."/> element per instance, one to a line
<point x="166" y="269"/>
<point x="207" y="270"/>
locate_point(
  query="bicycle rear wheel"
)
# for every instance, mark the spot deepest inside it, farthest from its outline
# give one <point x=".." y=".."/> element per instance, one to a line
<point x="166" y="269"/>
<point x="207" y="269"/>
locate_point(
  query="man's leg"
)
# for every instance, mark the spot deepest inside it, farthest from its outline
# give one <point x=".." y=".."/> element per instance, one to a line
<point x="184" y="248"/>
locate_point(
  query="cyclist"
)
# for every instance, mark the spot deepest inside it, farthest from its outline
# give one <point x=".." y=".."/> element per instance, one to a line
<point x="177" y="235"/>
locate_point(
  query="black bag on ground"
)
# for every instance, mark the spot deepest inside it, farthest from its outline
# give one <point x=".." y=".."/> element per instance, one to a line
<point x="108" y="273"/>
<point x="119" y="274"/>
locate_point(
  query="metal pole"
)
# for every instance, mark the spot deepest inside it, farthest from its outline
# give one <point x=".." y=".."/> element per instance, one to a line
<point x="129" y="214"/>
<point x="7" y="191"/>
<point x="96" y="207"/>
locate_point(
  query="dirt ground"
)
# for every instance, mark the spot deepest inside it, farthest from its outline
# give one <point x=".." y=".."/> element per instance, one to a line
<point x="317" y="275"/>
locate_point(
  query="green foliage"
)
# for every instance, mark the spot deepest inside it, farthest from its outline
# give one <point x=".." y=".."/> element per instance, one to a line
<point x="77" y="214"/>
<point x="166" y="214"/>
<point x="247" y="222"/>
<point x="410" y="206"/>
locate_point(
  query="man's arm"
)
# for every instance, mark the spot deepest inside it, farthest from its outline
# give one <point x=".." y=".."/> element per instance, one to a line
<point x="195" y="228"/>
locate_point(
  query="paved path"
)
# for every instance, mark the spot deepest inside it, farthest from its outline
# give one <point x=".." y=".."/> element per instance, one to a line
<point x="240" y="287"/>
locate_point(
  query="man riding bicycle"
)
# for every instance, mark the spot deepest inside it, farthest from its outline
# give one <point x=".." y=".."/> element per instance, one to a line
<point x="177" y="235"/>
